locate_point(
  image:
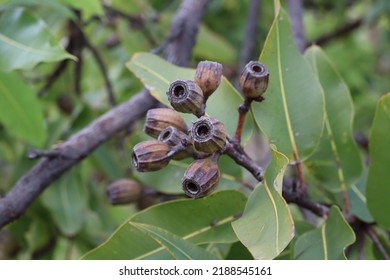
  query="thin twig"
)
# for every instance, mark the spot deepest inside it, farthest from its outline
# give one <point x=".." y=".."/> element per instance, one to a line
<point x="375" y="238"/>
<point x="338" y="33"/>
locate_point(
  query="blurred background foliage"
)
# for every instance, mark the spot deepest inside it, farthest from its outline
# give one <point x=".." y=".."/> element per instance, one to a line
<point x="73" y="215"/>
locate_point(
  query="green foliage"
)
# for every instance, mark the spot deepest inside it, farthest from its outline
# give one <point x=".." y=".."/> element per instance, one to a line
<point x="315" y="105"/>
<point x="378" y="191"/>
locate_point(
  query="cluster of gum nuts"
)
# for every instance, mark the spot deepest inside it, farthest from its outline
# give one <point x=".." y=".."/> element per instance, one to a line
<point x="205" y="139"/>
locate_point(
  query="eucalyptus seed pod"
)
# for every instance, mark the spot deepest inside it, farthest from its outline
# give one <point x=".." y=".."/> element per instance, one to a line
<point x="150" y="155"/>
<point x="186" y="96"/>
<point x="209" y="134"/>
<point x="254" y="80"/>
<point x="123" y="191"/>
<point x="208" y="76"/>
<point x="200" y="178"/>
<point x="176" y="138"/>
<point x="159" y="118"/>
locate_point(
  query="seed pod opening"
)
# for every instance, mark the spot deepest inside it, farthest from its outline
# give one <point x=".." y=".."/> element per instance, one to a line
<point x="209" y="134"/>
<point x="186" y="96"/>
<point x="174" y="138"/>
<point x="208" y="76"/>
<point x="150" y="155"/>
<point x="160" y="118"/>
<point x="123" y="191"/>
<point x="200" y="178"/>
<point x="254" y="80"/>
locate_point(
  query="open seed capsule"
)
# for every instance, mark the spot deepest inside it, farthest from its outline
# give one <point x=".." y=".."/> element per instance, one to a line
<point x="175" y="138"/>
<point x="254" y="80"/>
<point x="209" y="134"/>
<point x="186" y="96"/>
<point x="200" y="178"/>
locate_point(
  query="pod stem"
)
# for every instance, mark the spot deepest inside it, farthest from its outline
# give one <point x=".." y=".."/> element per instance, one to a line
<point x="242" y="111"/>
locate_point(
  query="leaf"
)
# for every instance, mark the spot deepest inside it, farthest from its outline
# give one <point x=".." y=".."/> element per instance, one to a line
<point x="336" y="162"/>
<point x="88" y="8"/>
<point x="200" y="221"/>
<point x="292" y="114"/>
<point x="67" y="201"/>
<point x="176" y="246"/>
<point x="266" y="226"/>
<point x="327" y="242"/>
<point x="378" y="188"/>
<point x="212" y="46"/>
<point x="26" y="41"/>
<point x="20" y="111"/>
<point x="156" y="74"/>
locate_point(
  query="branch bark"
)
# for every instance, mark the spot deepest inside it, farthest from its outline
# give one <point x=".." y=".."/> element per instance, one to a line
<point x="295" y="8"/>
<point x="81" y="144"/>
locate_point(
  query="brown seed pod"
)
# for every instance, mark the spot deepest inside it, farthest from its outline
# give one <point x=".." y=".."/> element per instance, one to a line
<point x="209" y="134"/>
<point x="186" y="96"/>
<point x="200" y="178"/>
<point x="123" y="191"/>
<point x="254" y="80"/>
<point x="150" y="155"/>
<point x="175" y="138"/>
<point x="208" y="76"/>
<point x="159" y="118"/>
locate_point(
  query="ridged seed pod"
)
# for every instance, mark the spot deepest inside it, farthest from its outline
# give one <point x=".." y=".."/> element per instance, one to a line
<point x="186" y="96"/>
<point x="200" y="178"/>
<point x="160" y="118"/>
<point x="174" y="137"/>
<point x="123" y="191"/>
<point x="209" y="134"/>
<point x="254" y="80"/>
<point x="208" y="76"/>
<point x="150" y="155"/>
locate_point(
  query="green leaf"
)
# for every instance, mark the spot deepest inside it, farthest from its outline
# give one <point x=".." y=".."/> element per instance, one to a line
<point x="212" y="46"/>
<point x="156" y="74"/>
<point x="176" y="246"/>
<point x="200" y="221"/>
<point x="67" y="201"/>
<point x="292" y="114"/>
<point x="327" y="242"/>
<point x="88" y="8"/>
<point x="378" y="188"/>
<point x="266" y="226"/>
<point x="20" y="111"/>
<point x="26" y="41"/>
<point x="336" y="162"/>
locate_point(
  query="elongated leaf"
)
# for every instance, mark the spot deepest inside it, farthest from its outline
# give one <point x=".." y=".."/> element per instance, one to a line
<point x="266" y="226"/>
<point x="327" y="242"/>
<point x="336" y="162"/>
<point x="20" y="111"/>
<point x="292" y="114"/>
<point x="156" y="74"/>
<point x="26" y="41"/>
<point x="378" y="188"/>
<point x="176" y="246"/>
<point x="205" y="220"/>
<point x="88" y="8"/>
<point x="67" y="200"/>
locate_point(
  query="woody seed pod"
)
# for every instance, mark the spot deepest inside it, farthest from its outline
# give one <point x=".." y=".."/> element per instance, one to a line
<point x="159" y="118"/>
<point x="150" y="155"/>
<point x="200" y="178"/>
<point x="123" y="191"/>
<point x="209" y="134"/>
<point x="254" y="80"/>
<point x="208" y="76"/>
<point x="186" y="96"/>
<point x="174" y="138"/>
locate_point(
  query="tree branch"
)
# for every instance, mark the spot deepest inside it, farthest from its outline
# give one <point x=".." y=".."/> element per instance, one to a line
<point x="252" y="27"/>
<point x="295" y="8"/>
<point x="81" y="144"/>
<point x="339" y="32"/>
